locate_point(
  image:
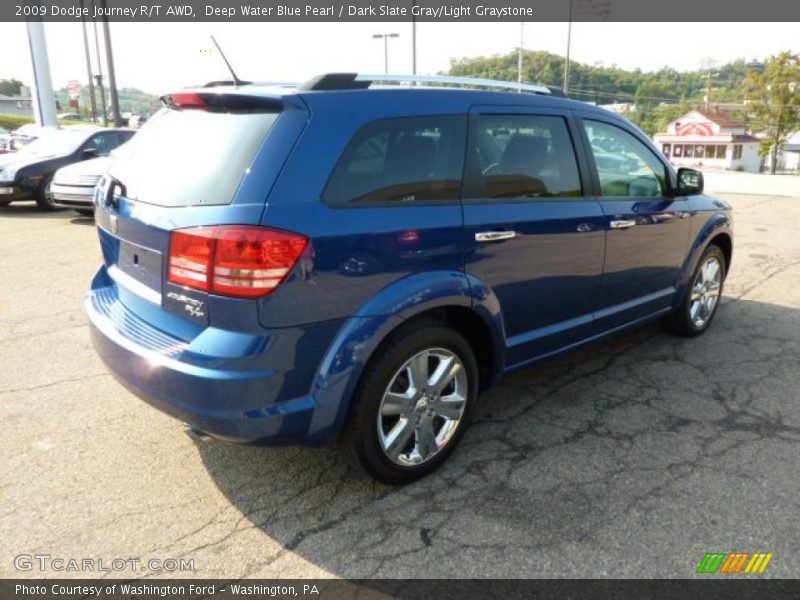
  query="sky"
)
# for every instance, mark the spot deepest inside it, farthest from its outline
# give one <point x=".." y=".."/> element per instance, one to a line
<point x="157" y="57"/>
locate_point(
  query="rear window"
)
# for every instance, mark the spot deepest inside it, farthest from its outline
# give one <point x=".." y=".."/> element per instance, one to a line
<point x="401" y="161"/>
<point x="190" y="157"/>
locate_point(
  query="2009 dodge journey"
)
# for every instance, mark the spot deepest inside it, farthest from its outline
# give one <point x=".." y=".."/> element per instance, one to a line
<point x="284" y="264"/>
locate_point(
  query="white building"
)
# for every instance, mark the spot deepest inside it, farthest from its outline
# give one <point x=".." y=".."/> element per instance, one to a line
<point x="713" y="139"/>
<point x="789" y="154"/>
<point x="16" y="105"/>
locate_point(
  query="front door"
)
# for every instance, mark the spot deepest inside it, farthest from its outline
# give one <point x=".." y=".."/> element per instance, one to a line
<point x="647" y="228"/>
<point x="533" y="236"/>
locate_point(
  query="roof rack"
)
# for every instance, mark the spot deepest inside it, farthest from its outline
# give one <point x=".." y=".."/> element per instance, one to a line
<point x="225" y="82"/>
<point x="355" y="81"/>
<point x="449" y="79"/>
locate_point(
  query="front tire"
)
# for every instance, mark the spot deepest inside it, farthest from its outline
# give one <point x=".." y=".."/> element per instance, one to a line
<point x="413" y="403"/>
<point x="702" y="297"/>
<point x="44" y="197"/>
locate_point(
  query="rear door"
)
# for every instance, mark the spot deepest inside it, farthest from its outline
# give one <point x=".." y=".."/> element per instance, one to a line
<point x="533" y="233"/>
<point x="647" y="229"/>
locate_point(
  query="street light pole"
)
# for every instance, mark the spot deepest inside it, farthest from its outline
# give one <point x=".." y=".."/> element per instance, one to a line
<point x="385" y="37"/>
<point x="413" y="39"/>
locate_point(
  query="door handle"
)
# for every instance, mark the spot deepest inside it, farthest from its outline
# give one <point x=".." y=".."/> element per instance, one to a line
<point x="494" y="236"/>
<point x="622" y="223"/>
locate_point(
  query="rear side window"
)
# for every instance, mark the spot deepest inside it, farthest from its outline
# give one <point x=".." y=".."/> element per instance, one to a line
<point x="401" y="161"/>
<point x="190" y="157"/>
<point x="526" y="156"/>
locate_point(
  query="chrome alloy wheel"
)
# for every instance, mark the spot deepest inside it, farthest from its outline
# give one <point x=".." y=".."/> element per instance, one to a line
<point x="705" y="292"/>
<point x="422" y="406"/>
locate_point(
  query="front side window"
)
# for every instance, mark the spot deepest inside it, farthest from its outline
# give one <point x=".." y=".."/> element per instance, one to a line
<point x="397" y="162"/>
<point x="526" y="156"/>
<point x="625" y="166"/>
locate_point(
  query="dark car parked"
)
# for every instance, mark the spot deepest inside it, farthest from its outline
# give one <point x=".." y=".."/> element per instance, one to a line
<point x="346" y="258"/>
<point x="28" y="173"/>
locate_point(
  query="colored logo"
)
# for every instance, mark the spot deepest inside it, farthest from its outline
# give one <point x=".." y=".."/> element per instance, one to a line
<point x="734" y="563"/>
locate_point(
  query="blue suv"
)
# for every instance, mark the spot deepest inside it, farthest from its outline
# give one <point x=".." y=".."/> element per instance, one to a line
<point x="282" y="264"/>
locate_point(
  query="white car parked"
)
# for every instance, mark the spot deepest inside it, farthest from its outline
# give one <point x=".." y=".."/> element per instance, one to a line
<point x="73" y="186"/>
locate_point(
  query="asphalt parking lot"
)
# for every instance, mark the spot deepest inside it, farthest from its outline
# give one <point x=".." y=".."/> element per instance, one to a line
<point x="632" y="458"/>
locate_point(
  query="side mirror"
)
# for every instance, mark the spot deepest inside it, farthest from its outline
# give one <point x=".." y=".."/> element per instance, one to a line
<point x="690" y="182"/>
<point x="89" y="153"/>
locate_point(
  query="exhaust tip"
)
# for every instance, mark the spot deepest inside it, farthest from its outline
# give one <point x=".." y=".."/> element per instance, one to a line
<point x="196" y="434"/>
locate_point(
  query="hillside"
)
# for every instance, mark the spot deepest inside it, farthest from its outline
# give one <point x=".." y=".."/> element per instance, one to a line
<point x="131" y="100"/>
<point x="659" y="95"/>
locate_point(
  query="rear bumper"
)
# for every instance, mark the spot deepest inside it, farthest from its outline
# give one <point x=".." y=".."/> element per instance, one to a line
<point x="227" y="390"/>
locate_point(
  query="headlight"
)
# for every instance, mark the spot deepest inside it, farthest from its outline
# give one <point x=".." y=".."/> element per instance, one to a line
<point x="8" y="174"/>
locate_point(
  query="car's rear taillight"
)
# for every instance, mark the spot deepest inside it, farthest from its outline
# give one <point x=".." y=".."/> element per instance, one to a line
<point x="233" y="260"/>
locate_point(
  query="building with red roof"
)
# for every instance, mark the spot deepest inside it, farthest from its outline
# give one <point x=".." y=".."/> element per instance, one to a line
<point x="710" y="139"/>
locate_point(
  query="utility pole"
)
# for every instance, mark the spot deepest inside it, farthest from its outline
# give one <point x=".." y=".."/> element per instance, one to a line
<point x="44" y="103"/>
<point x="92" y="100"/>
<point x="112" y="79"/>
<point x="708" y="91"/>
<point x="99" y="77"/>
<point x="519" y="52"/>
<point x="569" y="42"/>
<point x="385" y="37"/>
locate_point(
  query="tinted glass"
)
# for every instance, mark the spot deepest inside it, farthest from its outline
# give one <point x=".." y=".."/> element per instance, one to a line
<point x="625" y="166"/>
<point x="190" y="157"/>
<point x="401" y="161"/>
<point x="103" y="143"/>
<point x="526" y="156"/>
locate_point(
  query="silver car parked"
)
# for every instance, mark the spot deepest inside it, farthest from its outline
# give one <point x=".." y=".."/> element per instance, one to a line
<point x="73" y="185"/>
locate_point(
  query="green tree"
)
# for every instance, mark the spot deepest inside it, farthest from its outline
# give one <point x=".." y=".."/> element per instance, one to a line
<point x="657" y="95"/>
<point x="10" y="87"/>
<point x="775" y="97"/>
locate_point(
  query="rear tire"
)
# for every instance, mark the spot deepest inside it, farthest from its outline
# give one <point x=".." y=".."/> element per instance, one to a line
<point x="702" y="296"/>
<point x="43" y="196"/>
<point x="413" y="403"/>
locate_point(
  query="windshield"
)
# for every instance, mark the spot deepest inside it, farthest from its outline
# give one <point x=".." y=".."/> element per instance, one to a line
<point x="190" y="157"/>
<point x="53" y="144"/>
